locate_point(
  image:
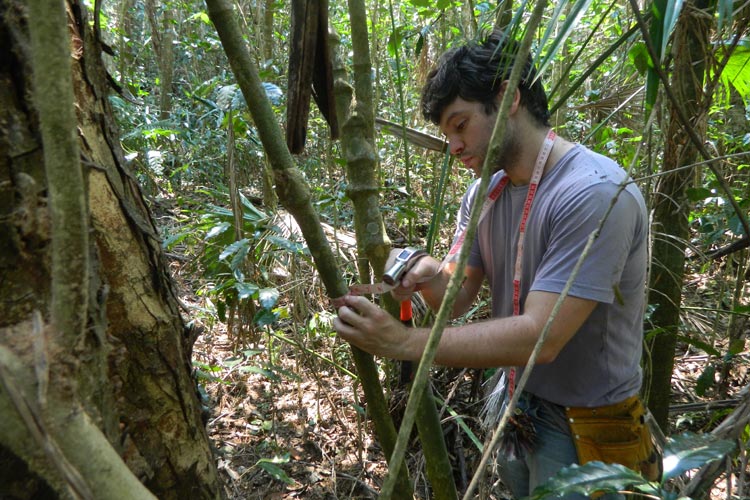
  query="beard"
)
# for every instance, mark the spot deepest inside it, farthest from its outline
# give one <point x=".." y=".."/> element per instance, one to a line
<point x="505" y="156"/>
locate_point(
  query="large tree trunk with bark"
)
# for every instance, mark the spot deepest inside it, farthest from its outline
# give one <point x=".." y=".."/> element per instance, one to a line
<point x="671" y="206"/>
<point x="122" y="387"/>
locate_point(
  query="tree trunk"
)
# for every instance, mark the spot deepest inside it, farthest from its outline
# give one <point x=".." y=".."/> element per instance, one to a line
<point x="121" y="390"/>
<point x="162" y="38"/>
<point x="671" y="206"/>
<point x="269" y="7"/>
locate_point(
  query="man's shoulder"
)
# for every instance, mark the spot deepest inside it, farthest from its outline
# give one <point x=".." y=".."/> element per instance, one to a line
<point x="584" y="166"/>
<point x="585" y="172"/>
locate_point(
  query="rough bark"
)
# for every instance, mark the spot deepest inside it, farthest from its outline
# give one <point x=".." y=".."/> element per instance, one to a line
<point x="124" y="383"/>
<point x="671" y="206"/>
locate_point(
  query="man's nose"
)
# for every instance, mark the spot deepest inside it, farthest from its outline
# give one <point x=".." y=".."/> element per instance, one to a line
<point x="457" y="146"/>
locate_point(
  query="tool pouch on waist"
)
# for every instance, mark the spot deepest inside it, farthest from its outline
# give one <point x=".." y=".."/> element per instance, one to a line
<point x="615" y="434"/>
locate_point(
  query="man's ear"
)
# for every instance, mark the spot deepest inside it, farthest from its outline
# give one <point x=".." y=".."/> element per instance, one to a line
<point x="516" y="99"/>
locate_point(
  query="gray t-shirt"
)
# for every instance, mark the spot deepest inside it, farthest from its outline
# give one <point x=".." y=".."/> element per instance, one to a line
<point x="600" y="365"/>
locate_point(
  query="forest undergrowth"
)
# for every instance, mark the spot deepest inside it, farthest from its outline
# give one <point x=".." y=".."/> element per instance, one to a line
<point x="285" y="412"/>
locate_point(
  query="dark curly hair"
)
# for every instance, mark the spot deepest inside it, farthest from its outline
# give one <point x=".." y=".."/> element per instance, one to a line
<point x="475" y="71"/>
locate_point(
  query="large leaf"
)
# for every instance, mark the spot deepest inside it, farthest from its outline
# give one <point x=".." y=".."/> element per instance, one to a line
<point x="233" y="248"/>
<point x="724" y="8"/>
<point x="587" y="479"/>
<point x="270" y="465"/>
<point x="665" y="15"/>
<point x="268" y="297"/>
<point x="690" y="451"/>
<point x="246" y="290"/>
<point x="250" y="211"/>
<point x="217" y="229"/>
<point x="571" y="21"/>
<point x="671" y="14"/>
<point x="265" y="317"/>
<point x="737" y="72"/>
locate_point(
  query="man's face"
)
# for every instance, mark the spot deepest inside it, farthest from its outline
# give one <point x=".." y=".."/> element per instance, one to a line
<point x="468" y="130"/>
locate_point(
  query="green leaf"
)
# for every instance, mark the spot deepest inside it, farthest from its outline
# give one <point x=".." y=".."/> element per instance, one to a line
<point x="736" y="347"/>
<point x="264" y="317"/>
<point x="250" y="212"/>
<point x="286" y="244"/>
<point x="233" y="247"/>
<point x="671" y="14"/>
<point x="268" y="297"/>
<point x="690" y="451"/>
<point x="734" y="224"/>
<point x="217" y="229"/>
<point x="652" y="89"/>
<point x="572" y="19"/>
<point x="206" y="367"/>
<point x="736" y="73"/>
<point x="700" y="344"/>
<point x="270" y="466"/>
<point x="174" y="239"/>
<point x="698" y="194"/>
<point x="665" y="17"/>
<point x="238" y="261"/>
<point x="394" y="41"/>
<point x="724" y="8"/>
<point x="232" y="361"/>
<point x="261" y="371"/>
<point x="202" y="16"/>
<point x="246" y="290"/>
<point x="587" y="479"/>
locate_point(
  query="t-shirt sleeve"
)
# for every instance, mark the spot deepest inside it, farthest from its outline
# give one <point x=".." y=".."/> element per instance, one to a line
<point x="462" y="221"/>
<point x="576" y="217"/>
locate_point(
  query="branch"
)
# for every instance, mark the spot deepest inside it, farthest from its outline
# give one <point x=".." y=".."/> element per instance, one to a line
<point x="53" y="98"/>
<point x="412" y="135"/>
<point x="735" y="246"/>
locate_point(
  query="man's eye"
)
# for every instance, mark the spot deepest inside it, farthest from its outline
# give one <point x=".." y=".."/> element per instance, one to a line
<point x="461" y="125"/>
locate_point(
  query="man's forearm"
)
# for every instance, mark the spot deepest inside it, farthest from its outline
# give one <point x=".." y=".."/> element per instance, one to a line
<point x="486" y="344"/>
<point x="434" y="290"/>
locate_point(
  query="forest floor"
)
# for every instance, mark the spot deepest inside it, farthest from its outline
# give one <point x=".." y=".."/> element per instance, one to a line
<point x="287" y="420"/>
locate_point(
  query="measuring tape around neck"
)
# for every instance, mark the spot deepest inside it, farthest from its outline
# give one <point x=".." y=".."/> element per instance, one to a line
<point x="536" y="177"/>
<point x="493" y="195"/>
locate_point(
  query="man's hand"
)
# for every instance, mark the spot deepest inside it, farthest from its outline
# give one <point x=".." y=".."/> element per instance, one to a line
<point x="372" y="329"/>
<point x="416" y="276"/>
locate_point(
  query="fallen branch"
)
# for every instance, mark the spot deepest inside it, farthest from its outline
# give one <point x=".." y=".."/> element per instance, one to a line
<point x="412" y="135"/>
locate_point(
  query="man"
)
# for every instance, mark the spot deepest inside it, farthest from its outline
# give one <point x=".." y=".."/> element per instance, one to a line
<point x="589" y="365"/>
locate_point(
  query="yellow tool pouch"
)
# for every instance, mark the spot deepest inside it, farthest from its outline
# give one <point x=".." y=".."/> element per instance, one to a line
<point x="617" y="434"/>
